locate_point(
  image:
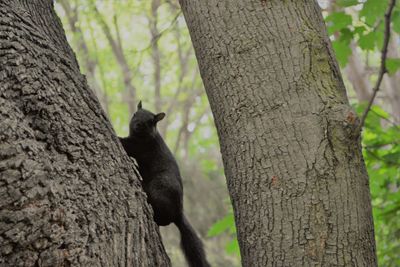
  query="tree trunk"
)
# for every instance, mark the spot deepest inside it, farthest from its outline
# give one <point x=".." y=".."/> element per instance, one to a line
<point x="293" y="161"/>
<point x="69" y="196"/>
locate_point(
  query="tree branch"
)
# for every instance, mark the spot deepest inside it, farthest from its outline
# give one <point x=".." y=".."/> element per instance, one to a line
<point x="382" y="70"/>
<point x="121" y="58"/>
<point x="83" y="49"/>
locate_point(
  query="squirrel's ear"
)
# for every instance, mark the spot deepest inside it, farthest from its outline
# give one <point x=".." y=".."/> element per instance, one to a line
<point x="159" y="117"/>
<point x="139" y="106"/>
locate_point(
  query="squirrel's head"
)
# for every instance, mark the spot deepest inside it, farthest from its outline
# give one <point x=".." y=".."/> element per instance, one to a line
<point x="144" y="122"/>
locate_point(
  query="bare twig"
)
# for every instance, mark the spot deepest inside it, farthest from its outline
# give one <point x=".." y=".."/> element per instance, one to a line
<point x="161" y="33"/>
<point x="382" y="70"/>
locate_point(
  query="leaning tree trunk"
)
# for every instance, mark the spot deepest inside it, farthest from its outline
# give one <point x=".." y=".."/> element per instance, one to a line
<point x="291" y="153"/>
<point x="69" y="196"/>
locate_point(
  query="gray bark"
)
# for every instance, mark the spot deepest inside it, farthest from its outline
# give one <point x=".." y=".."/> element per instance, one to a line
<point x="69" y="194"/>
<point x="293" y="162"/>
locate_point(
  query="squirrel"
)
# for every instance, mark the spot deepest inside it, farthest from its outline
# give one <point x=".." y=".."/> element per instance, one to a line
<point x="162" y="181"/>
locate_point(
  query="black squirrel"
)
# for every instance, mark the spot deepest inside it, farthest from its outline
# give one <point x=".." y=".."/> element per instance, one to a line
<point x="162" y="181"/>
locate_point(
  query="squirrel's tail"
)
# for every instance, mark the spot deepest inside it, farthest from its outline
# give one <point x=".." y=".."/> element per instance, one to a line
<point x="191" y="244"/>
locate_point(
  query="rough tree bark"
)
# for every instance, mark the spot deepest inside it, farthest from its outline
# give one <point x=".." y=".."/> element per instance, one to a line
<point x="69" y="196"/>
<point x="293" y="161"/>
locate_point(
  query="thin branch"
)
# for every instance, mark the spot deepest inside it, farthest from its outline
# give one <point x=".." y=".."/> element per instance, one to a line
<point x="100" y="66"/>
<point x="160" y="34"/>
<point x="119" y="42"/>
<point x="121" y="58"/>
<point x="387" y="161"/>
<point x="155" y="53"/>
<point x="386" y="119"/>
<point x="383" y="70"/>
<point x="83" y="49"/>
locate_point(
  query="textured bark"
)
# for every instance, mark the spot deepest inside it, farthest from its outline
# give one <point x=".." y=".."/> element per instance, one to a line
<point x="294" y="166"/>
<point x="69" y="196"/>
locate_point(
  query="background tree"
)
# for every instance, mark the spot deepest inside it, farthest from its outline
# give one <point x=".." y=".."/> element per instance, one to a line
<point x="70" y="196"/>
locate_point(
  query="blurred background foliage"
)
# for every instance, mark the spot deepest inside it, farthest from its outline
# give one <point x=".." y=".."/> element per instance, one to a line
<point x="133" y="50"/>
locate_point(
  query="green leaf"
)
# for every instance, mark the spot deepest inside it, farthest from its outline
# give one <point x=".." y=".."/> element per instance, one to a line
<point x="359" y="30"/>
<point x="379" y="36"/>
<point x="209" y="165"/>
<point x="233" y="247"/>
<point x="372" y="10"/>
<point x="221" y="226"/>
<point x="367" y="41"/>
<point x="396" y="21"/>
<point x="380" y="112"/>
<point x="346" y="35"/>
<point x="342" y="51"/>
<point x="347" y="3"/>
<point x="393" y="65"/>
<point x="337" y="21"/>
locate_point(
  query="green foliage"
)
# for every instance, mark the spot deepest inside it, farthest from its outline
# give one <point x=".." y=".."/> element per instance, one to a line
<point x="342" y="50"/>
<point x="381" y="149"/>
<point x="365" y="28"/>
<point x="233" y="247"/>
<point x="338" y="21"/>
<point x="367" y="41"/>
<point x="347" y="3"/>
<point x="226" y="224"/>
<point x="392" y="65"/>
<point x="396" y="21"/>
<point x="373" y="10"/>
